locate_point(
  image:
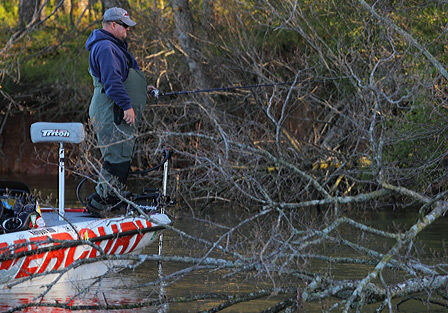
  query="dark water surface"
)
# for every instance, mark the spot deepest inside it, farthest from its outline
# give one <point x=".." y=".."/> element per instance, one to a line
<point x="115" y="289"/>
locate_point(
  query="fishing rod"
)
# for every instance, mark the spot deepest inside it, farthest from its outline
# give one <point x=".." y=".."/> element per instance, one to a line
<point x="156" y="93"/>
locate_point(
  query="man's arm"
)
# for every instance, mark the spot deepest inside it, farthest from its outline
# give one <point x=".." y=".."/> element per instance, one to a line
<point x="112" y="67"/>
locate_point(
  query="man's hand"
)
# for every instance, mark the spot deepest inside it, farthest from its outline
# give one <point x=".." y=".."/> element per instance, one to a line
<point x="149" y="89"/>
<point x="129" y="116"/>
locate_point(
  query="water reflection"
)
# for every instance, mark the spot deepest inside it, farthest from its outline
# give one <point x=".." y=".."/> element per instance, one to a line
<point x="112" y="291"/>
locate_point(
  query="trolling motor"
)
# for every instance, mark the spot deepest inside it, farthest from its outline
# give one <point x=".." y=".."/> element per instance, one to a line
<point x="18" y="209"/>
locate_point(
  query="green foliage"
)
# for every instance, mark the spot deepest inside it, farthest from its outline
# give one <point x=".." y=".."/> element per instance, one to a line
<point x="53" y="57"/>
<point x="420" y="142"/>
<point x="8" y="13"/>
<point x="47" y="62"/>
<point x="69" y="67"/>
<point x="283" y="41"/>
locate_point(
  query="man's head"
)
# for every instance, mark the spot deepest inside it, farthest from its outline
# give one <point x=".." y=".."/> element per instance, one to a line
<point x="117" y="21"/>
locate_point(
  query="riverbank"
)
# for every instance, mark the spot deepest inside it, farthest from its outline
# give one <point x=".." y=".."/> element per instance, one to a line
<point x="18" y="153"/>
<point x="20" y="156"/>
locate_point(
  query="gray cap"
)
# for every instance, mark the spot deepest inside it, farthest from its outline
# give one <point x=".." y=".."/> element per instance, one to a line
<point x="118" y="14"/>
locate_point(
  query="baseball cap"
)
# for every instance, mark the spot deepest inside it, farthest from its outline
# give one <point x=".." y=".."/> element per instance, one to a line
<point x="118" y="14"/>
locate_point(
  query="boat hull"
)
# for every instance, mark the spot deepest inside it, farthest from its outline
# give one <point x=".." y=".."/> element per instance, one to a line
<point x="66" y="252"/>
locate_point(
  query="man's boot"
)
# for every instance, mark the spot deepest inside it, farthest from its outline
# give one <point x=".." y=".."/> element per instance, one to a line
<point x="104" y="202"/>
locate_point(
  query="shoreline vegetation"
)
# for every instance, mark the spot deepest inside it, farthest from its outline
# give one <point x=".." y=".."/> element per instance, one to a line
<point x="361" y="127"/>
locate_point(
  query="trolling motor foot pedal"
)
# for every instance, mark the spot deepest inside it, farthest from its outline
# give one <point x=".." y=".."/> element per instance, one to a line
<point x="107" y="207"/>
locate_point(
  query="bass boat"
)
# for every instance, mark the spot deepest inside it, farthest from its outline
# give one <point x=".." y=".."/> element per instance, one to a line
<point x="39" y="246"/>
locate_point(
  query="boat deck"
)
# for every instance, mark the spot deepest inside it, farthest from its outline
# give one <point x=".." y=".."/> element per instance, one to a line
<point x="51" y="218"/>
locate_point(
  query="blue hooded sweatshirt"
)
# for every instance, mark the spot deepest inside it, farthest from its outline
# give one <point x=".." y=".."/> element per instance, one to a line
<point x="109" y="62"/>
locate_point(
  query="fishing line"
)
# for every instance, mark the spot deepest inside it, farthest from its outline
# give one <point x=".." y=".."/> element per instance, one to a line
<point x="156" y="93"/>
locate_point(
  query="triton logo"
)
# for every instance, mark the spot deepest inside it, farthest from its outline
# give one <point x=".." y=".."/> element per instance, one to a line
<point x="55" y="133"/>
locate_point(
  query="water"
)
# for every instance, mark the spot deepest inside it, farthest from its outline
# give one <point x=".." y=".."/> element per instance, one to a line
<point x="112" y="291"/>
<point x="129" y="286"/>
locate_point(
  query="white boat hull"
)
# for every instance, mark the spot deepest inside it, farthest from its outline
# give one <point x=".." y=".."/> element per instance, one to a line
<point x="34" y="256"/>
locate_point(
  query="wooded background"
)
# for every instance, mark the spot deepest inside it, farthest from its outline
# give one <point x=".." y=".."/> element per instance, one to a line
<point x="360" y="126"/>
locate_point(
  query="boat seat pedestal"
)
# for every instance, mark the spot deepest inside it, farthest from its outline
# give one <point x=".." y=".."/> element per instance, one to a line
<point x="60" y="133"/>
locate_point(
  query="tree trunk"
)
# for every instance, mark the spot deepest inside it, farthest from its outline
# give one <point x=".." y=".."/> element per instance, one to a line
<point x="28" y="10"/>
<point x="183" y="23"/>
<point x="107" y="4"/>
<point x="66" y="6"/>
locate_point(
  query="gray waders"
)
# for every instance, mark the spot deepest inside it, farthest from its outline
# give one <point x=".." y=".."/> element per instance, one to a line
<point x="116" y="138"/>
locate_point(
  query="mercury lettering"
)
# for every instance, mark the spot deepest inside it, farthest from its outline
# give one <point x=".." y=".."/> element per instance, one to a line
<point x="63" y="257"/>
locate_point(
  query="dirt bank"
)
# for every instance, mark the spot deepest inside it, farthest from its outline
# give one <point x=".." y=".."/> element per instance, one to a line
<point x="19" y="155"/>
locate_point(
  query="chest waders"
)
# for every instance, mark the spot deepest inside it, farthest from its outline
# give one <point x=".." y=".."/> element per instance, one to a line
<point x="116" y="138"/>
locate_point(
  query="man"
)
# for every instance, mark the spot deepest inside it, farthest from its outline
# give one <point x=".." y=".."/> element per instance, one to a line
<point x="119" y="97"/>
